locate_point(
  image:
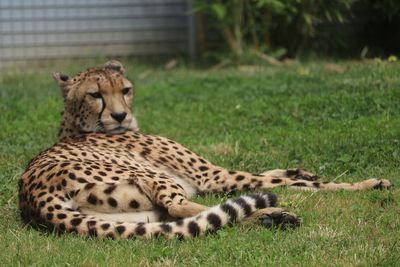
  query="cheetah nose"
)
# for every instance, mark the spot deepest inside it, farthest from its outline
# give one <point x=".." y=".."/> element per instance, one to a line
<point x="118" y="116"/>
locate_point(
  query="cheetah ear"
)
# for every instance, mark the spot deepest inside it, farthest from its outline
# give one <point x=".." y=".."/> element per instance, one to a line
<point x="63" y="81"/>
<point x="115" y="65"/>
<point x="60" y="78"/>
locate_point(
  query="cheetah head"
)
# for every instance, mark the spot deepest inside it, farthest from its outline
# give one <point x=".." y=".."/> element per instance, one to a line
<point x="97" y="100"/>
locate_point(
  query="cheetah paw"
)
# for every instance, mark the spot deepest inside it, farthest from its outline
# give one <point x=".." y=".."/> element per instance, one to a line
<point x="381" y="184"/>
<point x="280" y="219"/>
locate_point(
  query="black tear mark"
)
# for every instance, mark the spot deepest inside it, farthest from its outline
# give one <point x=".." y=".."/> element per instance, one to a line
<point x="103" y="104"/>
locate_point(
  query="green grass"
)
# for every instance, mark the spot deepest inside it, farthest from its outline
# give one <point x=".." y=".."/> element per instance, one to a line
<point x="334" y="124"/>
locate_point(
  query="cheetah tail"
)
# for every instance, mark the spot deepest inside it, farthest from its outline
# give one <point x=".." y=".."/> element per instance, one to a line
<point x="207" y="221"/>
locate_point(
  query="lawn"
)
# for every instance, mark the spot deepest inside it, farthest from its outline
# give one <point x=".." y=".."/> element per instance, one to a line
<point x="341" y="122"/>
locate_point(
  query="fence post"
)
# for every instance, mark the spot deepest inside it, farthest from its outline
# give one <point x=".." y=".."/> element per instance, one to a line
<point x="191" y="39"/>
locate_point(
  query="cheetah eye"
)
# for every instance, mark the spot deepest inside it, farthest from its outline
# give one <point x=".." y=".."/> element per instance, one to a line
<point x="95" y="94"/>
<point x="125" y="91"/>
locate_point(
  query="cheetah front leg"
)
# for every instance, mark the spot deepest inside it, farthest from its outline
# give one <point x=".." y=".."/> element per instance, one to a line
<point x="222" y="180"/>
<point x="208" y="177"/>
<point x="293" y="174"/>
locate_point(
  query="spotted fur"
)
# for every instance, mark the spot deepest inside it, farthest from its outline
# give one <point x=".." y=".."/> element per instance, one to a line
<point x="104" y="178"/>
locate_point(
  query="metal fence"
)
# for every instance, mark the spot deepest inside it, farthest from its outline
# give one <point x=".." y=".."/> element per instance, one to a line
<point x="47" y="29"/>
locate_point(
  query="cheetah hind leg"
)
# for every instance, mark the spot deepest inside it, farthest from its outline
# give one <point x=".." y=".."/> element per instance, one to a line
<point x="293" y="174"/>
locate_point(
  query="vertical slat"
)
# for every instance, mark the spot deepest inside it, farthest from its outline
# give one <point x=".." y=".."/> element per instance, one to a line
<point x="191" y="32"/>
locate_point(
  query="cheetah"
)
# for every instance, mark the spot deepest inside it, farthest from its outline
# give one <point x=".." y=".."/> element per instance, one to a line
<point x="104" y="178"/>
